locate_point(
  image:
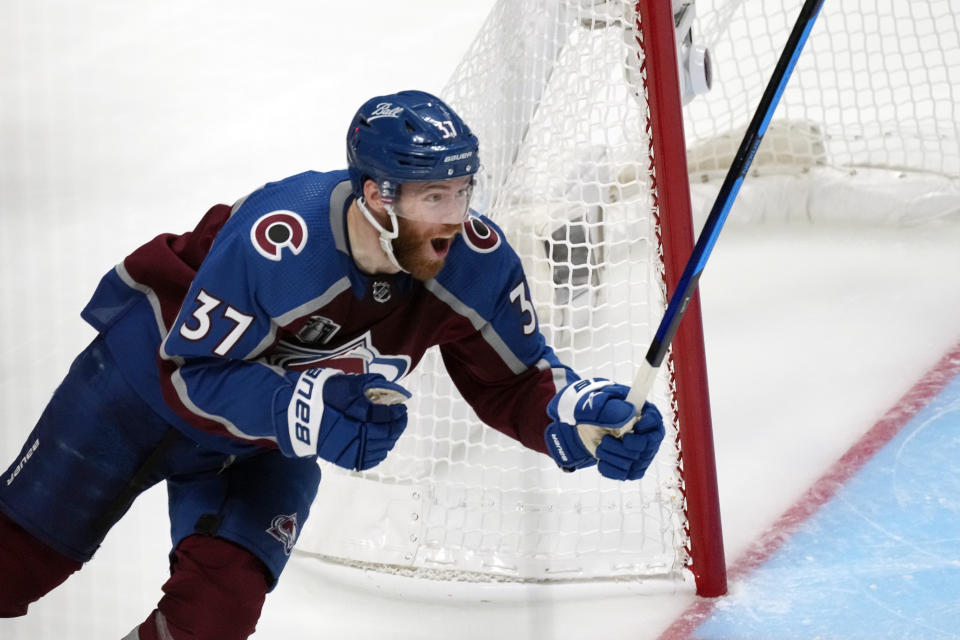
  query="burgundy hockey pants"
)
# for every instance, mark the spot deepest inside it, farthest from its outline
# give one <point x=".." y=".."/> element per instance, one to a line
<point x="215" y="592"/>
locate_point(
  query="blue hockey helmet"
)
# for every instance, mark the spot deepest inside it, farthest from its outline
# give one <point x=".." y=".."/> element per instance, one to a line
<point x="408" y="136"/>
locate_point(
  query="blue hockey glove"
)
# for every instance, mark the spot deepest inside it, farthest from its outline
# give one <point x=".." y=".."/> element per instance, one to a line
<point x="594" y="401"/>
<point x="599" y="403"/>
<point x="627" y="457"/>
<point x="351" y="420"/>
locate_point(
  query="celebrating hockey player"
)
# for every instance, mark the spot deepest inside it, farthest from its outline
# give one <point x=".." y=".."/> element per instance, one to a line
<point x="279" y="330"/>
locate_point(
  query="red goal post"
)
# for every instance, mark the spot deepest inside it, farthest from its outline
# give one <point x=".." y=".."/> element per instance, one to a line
<point x="655" y="26"/>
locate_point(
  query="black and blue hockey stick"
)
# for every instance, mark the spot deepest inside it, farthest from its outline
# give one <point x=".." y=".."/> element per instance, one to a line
<point x="721" y="207"/>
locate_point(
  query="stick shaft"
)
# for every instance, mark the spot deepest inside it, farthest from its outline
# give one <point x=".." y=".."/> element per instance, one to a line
<point x="660" y="344"/>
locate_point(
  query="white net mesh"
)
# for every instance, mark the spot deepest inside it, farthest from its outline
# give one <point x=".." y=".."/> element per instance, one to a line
<point x="866" y="131"/>
<point x="551" y="89"/>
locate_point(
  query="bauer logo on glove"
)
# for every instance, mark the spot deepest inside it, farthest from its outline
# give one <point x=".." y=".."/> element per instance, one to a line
<point x="351" y="420"/>
<point x="599" y="406"/>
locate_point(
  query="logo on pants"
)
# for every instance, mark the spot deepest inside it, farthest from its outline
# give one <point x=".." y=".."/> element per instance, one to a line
<point x="284" y="529"/>
<point x="24" y="460"/>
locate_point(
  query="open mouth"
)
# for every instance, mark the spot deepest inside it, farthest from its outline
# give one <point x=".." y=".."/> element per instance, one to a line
<point x="441" y="246"/>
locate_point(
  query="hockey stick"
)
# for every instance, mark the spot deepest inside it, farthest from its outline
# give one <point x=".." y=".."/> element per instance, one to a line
<point x="645" y="377"/>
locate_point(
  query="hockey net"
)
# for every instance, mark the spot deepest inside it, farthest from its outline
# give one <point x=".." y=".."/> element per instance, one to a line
<point x="556" y="92"/>
<point x="867" y="129"/>
<point x="560" y="93"/>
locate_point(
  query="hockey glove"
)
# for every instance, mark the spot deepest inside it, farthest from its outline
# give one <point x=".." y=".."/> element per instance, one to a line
<point x="351" y="420"/>
<point x="599" y="403"/>
<point x="627" y="457"/>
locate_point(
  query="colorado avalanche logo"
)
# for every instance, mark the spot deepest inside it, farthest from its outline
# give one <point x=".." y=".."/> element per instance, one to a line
<point x="479" y="236"/>
<point x="278" y="229"/>
<point x="357" y="356"/>
<point x="284" y="529"/>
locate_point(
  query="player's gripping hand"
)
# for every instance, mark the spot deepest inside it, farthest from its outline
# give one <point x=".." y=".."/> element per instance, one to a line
<point x="351" y="420"/>
<point x="627" y="457"/>
<point x="586" y="405"/>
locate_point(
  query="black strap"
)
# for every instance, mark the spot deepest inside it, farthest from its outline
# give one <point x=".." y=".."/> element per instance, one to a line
<point x="139" y="483"/>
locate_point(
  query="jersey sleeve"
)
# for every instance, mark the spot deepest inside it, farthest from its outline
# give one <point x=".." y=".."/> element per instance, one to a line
<point x="211" y="371"/>
<point x="504" y="368"/>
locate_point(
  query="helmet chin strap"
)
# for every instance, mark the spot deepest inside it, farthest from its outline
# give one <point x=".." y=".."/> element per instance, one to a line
<point x="386" y="237"/>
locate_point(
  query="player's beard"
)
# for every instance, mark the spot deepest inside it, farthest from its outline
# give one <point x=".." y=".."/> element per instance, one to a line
<point x="413" y="250"/>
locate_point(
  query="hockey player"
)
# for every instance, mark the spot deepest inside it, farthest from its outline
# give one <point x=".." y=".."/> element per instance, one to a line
<point x="230" y="357"/>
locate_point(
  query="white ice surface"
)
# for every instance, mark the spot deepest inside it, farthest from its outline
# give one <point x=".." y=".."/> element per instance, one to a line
<point x="120" y="120"/>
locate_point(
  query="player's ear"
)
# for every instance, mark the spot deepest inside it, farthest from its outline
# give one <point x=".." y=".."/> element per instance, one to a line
<point x="371" y="193"/>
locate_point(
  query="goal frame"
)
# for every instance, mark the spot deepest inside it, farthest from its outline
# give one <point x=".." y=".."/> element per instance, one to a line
<point x="672" y="197"/>
<point x="402" y="524"/>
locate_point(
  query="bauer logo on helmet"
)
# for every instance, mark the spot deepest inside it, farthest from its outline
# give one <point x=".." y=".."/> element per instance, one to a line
<point x="459" y="156"/>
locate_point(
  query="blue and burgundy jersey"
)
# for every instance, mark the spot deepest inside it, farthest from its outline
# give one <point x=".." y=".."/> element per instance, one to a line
<point x="210" y="325"/>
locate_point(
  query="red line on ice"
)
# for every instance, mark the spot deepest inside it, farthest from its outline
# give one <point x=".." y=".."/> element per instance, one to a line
<point x="929" y="386"/>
